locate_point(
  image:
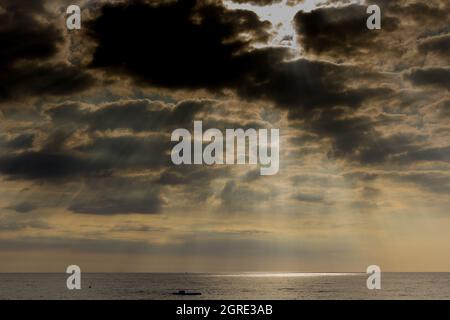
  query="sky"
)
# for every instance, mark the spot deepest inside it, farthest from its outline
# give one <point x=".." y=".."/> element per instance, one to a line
<point x="86" y="117"/>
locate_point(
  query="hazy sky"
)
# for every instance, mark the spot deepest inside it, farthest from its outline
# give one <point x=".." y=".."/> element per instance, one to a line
<point x="86" y="117"/>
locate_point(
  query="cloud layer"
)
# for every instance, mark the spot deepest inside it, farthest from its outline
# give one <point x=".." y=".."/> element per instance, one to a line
<point x="87" y="116"/>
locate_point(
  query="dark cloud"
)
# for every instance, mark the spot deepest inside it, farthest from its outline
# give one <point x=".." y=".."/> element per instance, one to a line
<point x="21" y="141"/>
<point x="303" y="85"/>
<point x="200" y="46"/>
<point x="203" y="45"/>
<point x="339" y="31"/>
<point x="23" y="35"/>
<point x="29" y="40"/>
<point x="356" y="138"/>
<point x="135" y="115"/>
<point x="430" y="76"/>
<point x="385" y="148"/>
<point x="417" y="12"/>
<point x="97" y="158"/>
<point x="128" y="152"/>
<point x="439" y="44"/>
<point x="217" y="57"/>
<point x="49" y="78"/>
<point x="46" y="165"/>
<point x="96" y="152"/>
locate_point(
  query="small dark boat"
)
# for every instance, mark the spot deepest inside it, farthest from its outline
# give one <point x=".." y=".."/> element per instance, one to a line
<point x="184" y="293"/>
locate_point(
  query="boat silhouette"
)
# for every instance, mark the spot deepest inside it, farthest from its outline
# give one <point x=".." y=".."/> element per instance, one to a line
<point x="185" y="293"/>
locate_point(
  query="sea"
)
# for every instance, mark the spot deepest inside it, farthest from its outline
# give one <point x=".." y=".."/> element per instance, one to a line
<point x="225" y="286"/>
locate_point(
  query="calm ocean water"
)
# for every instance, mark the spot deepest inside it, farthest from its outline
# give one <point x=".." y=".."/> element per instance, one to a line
<point x="226" y="286"/>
